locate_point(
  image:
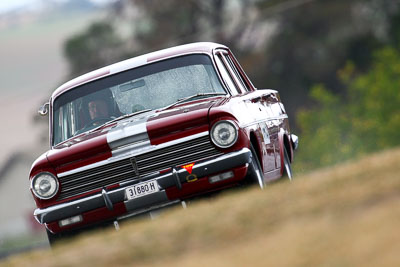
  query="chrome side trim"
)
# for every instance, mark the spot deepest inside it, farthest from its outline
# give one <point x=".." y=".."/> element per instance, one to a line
<point x="131" y="151"/>
<point x="282" y="117"/>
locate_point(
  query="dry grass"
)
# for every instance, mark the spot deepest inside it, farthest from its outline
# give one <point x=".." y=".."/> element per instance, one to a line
<point x="348" y="215"/>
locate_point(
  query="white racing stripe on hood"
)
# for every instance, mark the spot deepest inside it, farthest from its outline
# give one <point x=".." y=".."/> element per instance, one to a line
<point x="130" y="131"/>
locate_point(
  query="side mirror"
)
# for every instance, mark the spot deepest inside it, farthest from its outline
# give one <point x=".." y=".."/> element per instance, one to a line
<point x="44" y="109"/>
<point x="295" y="141"/>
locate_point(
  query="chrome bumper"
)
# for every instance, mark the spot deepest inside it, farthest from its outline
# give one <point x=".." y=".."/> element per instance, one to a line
<point x="174" y="178"/>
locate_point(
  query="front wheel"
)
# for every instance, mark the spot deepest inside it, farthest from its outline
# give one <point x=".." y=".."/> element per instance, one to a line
<point x="287" y="165"/>
<point x="254" y="172"/>
<point x="56" y="238"/>
<point x="53" y="238"/>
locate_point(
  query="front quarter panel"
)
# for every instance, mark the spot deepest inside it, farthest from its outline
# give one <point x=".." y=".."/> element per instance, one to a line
<point x="41" y="164"/>
<point x="255" y="119"/>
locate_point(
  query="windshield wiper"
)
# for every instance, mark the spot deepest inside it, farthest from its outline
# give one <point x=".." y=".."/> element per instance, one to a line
<point x="120" y="118"/>
<point x="181" y="100"/>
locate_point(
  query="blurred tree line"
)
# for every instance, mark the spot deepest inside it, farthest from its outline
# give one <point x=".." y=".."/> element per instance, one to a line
<point x="335" y="62"/>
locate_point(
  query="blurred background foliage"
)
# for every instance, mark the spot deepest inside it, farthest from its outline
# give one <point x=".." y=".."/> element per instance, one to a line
<point x="336" y="63"/>
<point x="366" y="118"/>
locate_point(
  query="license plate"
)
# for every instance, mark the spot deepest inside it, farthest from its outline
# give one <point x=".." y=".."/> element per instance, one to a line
<point x="141" y="189"/>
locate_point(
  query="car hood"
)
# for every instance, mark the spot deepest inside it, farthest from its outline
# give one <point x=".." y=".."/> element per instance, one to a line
<point x="150" y="128"/>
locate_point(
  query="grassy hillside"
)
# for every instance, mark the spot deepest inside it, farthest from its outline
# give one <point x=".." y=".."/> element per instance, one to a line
<point x="348" y="215"/>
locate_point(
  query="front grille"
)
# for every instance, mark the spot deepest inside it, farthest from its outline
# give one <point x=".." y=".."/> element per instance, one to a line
<point x="123" y="170"/>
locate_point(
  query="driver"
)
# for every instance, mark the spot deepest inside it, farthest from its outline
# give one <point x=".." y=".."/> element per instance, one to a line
<point x="98" y="109"/>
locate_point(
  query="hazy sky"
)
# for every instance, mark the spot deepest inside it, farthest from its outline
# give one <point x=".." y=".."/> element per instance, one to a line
<point x="7" y="5"/>
<point x="12" y="4"/>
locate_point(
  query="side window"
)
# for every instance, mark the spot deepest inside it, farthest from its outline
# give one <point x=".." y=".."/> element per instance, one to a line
<point x="235" y="72"/>
<point x="242" y="74"/>
<point x="226" y="76"/>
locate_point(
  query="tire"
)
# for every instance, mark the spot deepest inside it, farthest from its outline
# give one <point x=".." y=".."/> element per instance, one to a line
<point x="287" y="166"/>
<point x="56" y="238"/>
<point x="53" y="238"/>
<point x="255" y="173"/>
<point x="69" y="234"/>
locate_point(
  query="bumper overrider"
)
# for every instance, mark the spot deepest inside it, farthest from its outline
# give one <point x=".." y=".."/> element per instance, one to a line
<point x="178" y="182"/>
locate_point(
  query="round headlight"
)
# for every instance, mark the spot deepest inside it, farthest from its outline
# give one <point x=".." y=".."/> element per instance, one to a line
<point x="44" y="185"/>
<point x="224" y="134"/>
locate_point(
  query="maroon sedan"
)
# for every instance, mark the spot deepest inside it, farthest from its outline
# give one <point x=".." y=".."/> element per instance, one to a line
<point x="153" y="131"/>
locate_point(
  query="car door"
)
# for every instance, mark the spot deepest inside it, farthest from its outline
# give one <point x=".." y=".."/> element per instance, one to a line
<point x="274" y="122"/>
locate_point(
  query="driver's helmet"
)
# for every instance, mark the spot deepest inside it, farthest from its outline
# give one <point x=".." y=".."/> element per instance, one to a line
<point x="107" y="96"/>
<point x="104" y="95"/>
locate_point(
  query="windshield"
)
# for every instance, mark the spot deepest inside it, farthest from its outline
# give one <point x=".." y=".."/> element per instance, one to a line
<point x="152" y="87"/>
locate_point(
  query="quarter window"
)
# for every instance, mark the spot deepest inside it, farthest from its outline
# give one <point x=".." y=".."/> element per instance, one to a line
<point x="226" y="75"/>
<point x="239" y="78"/>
